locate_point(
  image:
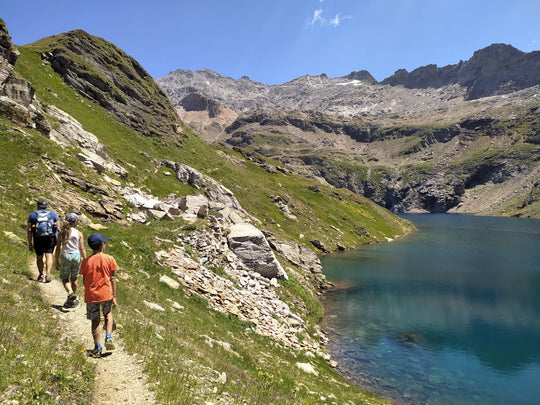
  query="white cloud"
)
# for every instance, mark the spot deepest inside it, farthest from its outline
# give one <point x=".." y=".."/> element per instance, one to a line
<point x="335" y="21"/>
<point x="317" y="18"/>
<point x="320" y="17"/>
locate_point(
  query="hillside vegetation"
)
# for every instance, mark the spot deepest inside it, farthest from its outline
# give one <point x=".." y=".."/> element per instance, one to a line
<point x="113" y="98"/>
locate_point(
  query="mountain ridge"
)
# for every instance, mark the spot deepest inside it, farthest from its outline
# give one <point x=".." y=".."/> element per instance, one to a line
<point x="495" y="63"/>
<point x="494" y="71"/>
<point x="342" y="128"/>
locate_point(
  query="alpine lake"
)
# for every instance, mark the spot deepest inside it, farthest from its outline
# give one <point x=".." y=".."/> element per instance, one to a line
<point x="449" y="314"/>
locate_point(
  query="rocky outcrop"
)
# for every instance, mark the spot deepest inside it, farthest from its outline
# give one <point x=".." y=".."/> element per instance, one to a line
<point x="232" y="232"/>
<point x="211" y="188"/>
<point x="105" y="74"/>
<point x="198" y="102"/>
<point x="246" y="294"/>
<point x="70" y="132"/>
<point x="17" y="96"/>
<point x="243" y="239"/>
<point x="107" y="207"/>
<point x="8" y="56"/>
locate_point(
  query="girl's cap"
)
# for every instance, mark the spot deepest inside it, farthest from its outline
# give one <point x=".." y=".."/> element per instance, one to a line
<point x="72" y="217"/>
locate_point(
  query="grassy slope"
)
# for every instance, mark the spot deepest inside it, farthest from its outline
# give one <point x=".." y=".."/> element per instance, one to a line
<point x="171" y="343"/>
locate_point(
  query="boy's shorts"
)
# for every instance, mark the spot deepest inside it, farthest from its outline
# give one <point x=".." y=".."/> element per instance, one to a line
<point x="93" y="309"/>
<point x="69" y="265"/>
<point x="44" y="244"/>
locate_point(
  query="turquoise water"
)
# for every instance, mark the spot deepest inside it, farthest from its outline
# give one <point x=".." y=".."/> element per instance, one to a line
<point x="448" y="315"/>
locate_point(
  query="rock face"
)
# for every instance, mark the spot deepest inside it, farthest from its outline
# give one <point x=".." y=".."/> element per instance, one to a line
<point x="17" y="101"/>
<point x="102" y="72"/>
<point x="197" y="102"/>
<point x="8" y="56"/>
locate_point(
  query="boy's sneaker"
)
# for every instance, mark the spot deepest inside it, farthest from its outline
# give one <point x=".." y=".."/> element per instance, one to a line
<point x="109" y="344"/>
<point x="95" y="353"/>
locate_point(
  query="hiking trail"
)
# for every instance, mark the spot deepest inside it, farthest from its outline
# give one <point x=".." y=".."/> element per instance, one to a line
<point x="120" y="378"/>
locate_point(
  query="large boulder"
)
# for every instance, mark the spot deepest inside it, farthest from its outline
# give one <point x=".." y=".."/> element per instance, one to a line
<point x="254" y="251"/>
<point x="300" y="256"/>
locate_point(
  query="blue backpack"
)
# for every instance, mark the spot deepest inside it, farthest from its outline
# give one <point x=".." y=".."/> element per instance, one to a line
<point x="44" y="225"/>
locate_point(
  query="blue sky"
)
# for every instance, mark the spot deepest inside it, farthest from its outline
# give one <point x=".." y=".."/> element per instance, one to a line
<point x="276" y="41"/>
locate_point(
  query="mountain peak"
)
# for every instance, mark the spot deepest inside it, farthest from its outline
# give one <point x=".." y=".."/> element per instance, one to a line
<point x="105" y="74"/>
<point x="496" y="52"/>
<point x="362" y="75"/>
<point x="496" y="69"/>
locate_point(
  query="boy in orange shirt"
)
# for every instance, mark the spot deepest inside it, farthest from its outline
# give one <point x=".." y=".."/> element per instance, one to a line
<point x="99" y="290"/>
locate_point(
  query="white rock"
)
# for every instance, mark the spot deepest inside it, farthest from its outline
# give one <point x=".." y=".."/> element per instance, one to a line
<point x="307" y="368"/>
<point x="170" y="282"/>
<point x="153" y="305"/>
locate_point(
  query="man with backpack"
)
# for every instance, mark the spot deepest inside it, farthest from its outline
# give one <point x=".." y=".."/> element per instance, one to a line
<point x="41" y="233"/>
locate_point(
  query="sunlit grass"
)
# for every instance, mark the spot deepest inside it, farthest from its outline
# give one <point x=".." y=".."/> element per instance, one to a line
<point x="37" y="364"/>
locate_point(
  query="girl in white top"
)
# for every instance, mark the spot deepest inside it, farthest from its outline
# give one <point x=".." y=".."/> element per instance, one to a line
<point x="70" y="251"/>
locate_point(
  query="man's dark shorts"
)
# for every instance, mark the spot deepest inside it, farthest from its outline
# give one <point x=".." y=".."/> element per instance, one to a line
<point x="44" y="244"/>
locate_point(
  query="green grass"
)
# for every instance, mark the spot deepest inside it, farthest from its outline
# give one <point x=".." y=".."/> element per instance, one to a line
<point x="174" y="345"/>
<point x="38" y="364"/>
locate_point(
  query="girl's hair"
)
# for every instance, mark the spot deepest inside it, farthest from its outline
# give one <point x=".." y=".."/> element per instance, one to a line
<point x="65" y="231"/>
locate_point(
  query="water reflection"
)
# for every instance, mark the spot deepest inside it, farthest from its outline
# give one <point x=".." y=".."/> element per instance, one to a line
<point x="448" y="296"/>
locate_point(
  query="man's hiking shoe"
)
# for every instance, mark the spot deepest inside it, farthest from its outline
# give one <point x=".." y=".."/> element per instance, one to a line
<point x="41" y="278"/>
<point x="71" y="302"/>
<point x="95" y="353"/>
<point x="48" y="278"/>
<point x="109" y="344"/>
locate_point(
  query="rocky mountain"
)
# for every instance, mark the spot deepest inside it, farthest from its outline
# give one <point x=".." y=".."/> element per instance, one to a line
<point x="461" y="138"/>
<point x="103" y="73"/>
<point x="497" y="69"/>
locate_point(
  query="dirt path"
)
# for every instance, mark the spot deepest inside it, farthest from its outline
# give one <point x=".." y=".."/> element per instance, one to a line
<point x="120" y="378"/>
